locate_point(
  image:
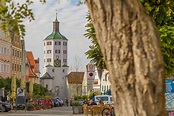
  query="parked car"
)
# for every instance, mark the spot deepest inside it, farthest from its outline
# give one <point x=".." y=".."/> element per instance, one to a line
<point x="5" y="107"/>
<point x="107" y="99"/>
<point x="56" y="102"/>
<point x="60" y="101"/>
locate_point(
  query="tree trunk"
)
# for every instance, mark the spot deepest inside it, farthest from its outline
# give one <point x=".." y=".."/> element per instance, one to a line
<point x="130" y="43"/>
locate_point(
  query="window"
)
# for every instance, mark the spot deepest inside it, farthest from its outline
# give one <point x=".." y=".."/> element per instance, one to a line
<point x="52" y="70"/>
<point x="19" y="67"/>
<point x="5" y="51"/>
<point x="13" y="52"/>
<point x="49" y="60"/>
<point x="17" y="53"/>
<point x="57" y="51"/>
<point x="104" y="88"/>
<point x="2" y="68"/>
<point x="49" y="43"/>
<point x="59" y="43"/>
<point x="106" y="75"/>
<point x="2" y="50"/>
<point x="15" y="67"/>
<point x="48" y="51"/>
<point x="47" y="86"/>
<point x="12" y="66"/>
<point x="64" y="51"/>
<point x="65" y="43"/>
<point x="44" y="43"/>
<point x="63" y="70"/>
<point x="56" y="43"/>
<point x="64" y="60"/>
<point x="20" y="54"/>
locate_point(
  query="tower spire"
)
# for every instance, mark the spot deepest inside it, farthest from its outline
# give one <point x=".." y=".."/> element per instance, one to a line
<point x="56" y="24"/>
<point x="56" y="15"/>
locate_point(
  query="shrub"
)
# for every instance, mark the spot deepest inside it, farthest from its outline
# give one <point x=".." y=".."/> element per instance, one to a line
<point x="76" y="103"/>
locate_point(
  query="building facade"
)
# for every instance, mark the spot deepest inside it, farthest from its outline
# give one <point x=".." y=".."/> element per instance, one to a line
<point x="5" y="55"/>
<point x="105" y="82"/>
<point x="16" y="56"/>
<point x="55" y="61"/>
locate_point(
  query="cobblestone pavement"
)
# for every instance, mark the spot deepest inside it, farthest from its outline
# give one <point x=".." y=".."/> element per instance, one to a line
<point x="56" y="111"/>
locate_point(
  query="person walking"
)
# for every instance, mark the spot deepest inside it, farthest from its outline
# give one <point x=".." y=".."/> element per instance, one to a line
<point x="66" y="102"/>
<point x="70" y="101"/>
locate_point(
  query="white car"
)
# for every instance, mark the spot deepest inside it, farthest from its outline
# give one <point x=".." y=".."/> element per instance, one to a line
<point x="107" y="99"/>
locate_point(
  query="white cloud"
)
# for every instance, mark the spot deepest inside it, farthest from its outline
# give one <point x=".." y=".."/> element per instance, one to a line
<point x="72" y="25"/>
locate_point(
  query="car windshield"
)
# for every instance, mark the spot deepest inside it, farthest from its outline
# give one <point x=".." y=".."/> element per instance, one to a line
<point x="102" y="98"/>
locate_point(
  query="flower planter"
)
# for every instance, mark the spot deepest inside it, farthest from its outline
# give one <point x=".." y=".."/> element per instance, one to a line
<point x="77" y="109"/>
<point x="44" y="107"/>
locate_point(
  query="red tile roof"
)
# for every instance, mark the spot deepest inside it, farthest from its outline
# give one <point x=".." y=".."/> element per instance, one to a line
<point x="31" y="61"/>
<point x="75" y="77"/>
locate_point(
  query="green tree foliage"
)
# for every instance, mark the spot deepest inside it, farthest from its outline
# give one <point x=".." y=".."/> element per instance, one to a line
<point x="38" y="89"/>
<point x="13" y="14"/>
<point x="162" y="12"/>
<point x="94" y="53"/>
<point x="6" y="83"/>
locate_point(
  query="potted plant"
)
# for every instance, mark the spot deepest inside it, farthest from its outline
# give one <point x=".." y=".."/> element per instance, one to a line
<point x="77" y="107"/>
<point x="30" y="107"/>
<point x="44" y="106"/>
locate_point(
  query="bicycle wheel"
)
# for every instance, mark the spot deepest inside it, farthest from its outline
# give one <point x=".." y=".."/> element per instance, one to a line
<point x="112" y="112"/>
<point x="106" y="112"/>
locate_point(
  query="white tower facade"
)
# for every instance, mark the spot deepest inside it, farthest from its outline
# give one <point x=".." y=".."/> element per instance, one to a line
<point x="55" y="62"/>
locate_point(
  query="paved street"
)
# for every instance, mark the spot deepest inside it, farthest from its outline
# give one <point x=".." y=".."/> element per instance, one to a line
<point x="56" y="111"/>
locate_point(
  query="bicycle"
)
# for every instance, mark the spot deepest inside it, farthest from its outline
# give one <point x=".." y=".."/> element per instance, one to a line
<point x="109" y="111"/>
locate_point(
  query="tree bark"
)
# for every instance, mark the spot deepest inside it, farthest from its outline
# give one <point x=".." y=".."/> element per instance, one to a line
<point x="130" y="43"/>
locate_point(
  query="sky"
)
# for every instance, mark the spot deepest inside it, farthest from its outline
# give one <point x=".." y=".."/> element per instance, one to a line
<point x="72" y="20"/>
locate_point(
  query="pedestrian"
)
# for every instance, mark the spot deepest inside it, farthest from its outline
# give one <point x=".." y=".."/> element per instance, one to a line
<point x="70" y="101"/>
<point x="66" y="102"/>
<point x="100" y="102"/>
<point x="93" y="102"/>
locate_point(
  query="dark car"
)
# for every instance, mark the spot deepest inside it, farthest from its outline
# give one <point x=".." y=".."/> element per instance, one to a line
<point x="5" y="107"/>
<point x="56" y="102"/>
<point x="60" y="101"/>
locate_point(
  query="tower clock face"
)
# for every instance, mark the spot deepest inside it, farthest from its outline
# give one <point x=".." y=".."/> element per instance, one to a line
<point x="57" y="63"/>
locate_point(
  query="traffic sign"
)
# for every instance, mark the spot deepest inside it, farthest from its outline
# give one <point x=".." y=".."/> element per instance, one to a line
<point x="91" y="74"/>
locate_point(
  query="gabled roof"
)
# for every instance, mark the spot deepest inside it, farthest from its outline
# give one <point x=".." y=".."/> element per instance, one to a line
<point x="46" y="76"/>
<point x="75" y="77"/>
<point x="31" y="61"/>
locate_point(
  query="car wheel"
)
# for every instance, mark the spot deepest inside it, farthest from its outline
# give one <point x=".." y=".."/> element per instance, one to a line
<point x="3" y="109"/>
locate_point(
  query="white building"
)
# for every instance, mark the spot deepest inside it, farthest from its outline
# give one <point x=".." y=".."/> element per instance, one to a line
<point x="55" y="62"/>
<point x="105" y="82"/>
<point x="91" y="81"/>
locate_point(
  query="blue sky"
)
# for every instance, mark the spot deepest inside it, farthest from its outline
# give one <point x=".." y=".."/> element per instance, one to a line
<point x="72" y="25"/>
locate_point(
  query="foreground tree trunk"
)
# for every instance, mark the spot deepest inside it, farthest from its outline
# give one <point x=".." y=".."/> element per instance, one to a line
<point x="130" y="44"/>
